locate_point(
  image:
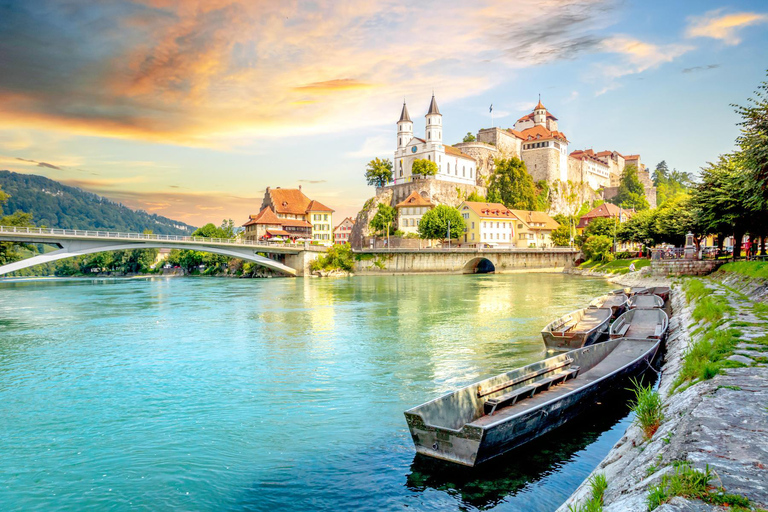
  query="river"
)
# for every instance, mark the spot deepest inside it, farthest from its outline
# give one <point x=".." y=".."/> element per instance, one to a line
<point x="272" y="394"/>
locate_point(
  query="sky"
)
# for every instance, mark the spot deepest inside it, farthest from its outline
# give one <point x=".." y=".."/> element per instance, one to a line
<point x="191" y="108"/>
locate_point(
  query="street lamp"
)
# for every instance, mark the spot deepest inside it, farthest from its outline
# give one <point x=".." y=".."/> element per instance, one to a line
<point x="449" y="235"/>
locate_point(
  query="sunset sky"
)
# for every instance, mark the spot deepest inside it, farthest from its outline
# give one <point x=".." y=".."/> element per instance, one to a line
<point x="190" y="108"/>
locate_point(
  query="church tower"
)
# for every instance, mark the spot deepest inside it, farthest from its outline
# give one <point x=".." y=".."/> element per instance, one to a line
<point x="404" y="128"/>
<point x="540" y="115"/>
<point x="434" y="123"/>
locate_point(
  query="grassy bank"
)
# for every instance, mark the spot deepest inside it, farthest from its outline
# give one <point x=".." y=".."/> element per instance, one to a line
<point x="615" y="266"/>
<point x="756" y="269"/>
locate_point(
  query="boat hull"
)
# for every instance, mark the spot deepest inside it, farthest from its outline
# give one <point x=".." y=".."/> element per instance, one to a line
<point x="573" y="339"/>
<point x="486" y="437"/>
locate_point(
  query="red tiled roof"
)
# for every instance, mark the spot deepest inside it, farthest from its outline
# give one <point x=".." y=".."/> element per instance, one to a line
<point x="317" y="206"/>
<point x="488" y="210"/>
<point x="414" y="199"/>
<point x="529" y="117"/>
<point x="265" y="216"/>
<point x="289" y="200"/>
<point x="516" y="133"/>
<point x="278" y="232"/>
<point x="348" y="219"/>
<point x="539" y="106"/>
<point x="632" y="157"/>
<point x="540" y="133"/>
<point x="605" y="210"/>
<point x="450" y="150"/>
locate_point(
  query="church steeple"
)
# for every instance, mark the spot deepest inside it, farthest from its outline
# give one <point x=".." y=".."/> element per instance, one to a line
<point x="404" y="128"/>
<point x="434" y="122"/>
<point x="540" y="113"/>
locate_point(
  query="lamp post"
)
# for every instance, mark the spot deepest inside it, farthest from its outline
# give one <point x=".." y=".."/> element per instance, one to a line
<point x="388" y="223"/>
<point x="449" y="235"/>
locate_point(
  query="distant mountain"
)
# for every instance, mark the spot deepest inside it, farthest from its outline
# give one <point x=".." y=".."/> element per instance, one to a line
<point x="58" y="206"/>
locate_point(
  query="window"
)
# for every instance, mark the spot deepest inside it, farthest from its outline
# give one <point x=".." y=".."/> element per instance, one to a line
<point x="473" y="236"/>
<point x="449" y="168"/>
<point x="429" y="135"/>
<point x="326" y="217"/>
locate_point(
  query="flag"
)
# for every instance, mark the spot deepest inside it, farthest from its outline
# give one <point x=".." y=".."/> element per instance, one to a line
<point x="491" y="109"/>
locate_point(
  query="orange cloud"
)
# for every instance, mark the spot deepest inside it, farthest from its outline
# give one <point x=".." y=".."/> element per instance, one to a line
<point x="339" y="84"/>
<point x="723" y="27"/>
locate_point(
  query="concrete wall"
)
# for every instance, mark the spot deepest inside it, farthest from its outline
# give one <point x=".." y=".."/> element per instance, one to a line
<point x="461" y="261"/>
<point x="683" y="267"/>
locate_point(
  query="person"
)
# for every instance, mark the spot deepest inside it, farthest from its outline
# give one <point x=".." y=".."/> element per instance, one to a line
<point x="632" y="267"/>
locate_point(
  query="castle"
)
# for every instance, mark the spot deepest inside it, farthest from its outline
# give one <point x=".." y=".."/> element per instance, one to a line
<point x="467" y="166"/>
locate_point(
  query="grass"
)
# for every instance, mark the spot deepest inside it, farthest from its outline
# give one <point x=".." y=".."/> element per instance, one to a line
<point x="757" y="269"/>
<point x="597" y="486"/>
<point x="615" y="266"/>
<point x="695" y="289"/>
<point x="688" y="482"/>
<point x="711" y="308"/>
<point x="707" y="357"/>
<point x="647" y="408"/>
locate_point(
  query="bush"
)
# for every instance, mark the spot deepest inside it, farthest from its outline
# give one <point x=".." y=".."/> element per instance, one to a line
<point x="647" y="408"/>
<point x="337" y="257"/>
<point x="598" y="248"/>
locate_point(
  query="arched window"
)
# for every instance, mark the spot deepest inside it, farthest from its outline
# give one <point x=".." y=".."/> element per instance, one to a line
<point x="429" y="157"/>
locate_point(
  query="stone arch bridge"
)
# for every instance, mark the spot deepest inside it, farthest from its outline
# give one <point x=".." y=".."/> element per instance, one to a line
<point x="288" y="259"/>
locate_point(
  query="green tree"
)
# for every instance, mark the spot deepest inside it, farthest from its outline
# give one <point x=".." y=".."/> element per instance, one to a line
<point x="631" y="192"/>
<point x="434" y="224"/>
<point x="561" y="236"/>
<point x="378" y="172"/>
<point x="543" y="198"/>
<point x="753" y="143"/>
<point x="337" y="257"/>
<point x="661" y="173"/>
<point x="12" y="251"/>
<point x="604" y="226"/>
<point x="424" y="167"/>
<point x="512" y="186"/>
<point x="598" y="248"/>
<point x="385" y="216"/>
<point x="469" y="137"/>
<point x="640" y="228"/>
<point x="677" y="217"/>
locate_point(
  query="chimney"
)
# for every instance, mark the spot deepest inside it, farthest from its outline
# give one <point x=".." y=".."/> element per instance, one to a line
<point x="299" y="187"/>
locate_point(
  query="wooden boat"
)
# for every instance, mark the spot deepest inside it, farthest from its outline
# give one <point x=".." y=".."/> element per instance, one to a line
<point x="616" y="301"/>
<point x="630" y="291"/>
<point x="577" y="329"/>
<point x="661" y="291"/>
<point x="491" y="417"/>
<point x="640" y="323"/>
<point x="645" y="301"/>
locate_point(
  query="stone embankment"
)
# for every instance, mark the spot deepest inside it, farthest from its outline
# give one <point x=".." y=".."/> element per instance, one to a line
<point x="720" y="423"/>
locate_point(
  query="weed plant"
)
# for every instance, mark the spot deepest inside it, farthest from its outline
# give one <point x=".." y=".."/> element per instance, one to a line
<point x="647" y="408"/>
<point x="707" y="357"/>
<point x="688" y="482"/>
<point x="597" y="486"/>
<point x="694" y="289"/>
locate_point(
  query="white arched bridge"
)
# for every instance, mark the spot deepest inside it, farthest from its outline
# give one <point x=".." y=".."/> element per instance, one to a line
<point x="289" y="259"/>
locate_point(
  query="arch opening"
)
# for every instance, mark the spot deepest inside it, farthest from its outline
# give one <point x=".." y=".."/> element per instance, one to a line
<point x="479" y="266"/>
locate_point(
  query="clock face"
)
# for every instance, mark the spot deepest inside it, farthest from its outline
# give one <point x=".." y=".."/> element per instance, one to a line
<point x="413" y="149"/>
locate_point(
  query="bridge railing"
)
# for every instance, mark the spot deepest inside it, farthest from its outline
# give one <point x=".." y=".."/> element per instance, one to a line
<point x="139" y="236"/>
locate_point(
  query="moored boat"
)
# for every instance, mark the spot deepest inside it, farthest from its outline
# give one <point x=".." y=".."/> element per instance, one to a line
<point x="491" y="417"/>
<point x="661" y="291"/>
<point x="644" y="301"/>
<point x="617" y="302"/>
<point x="640" y="323"/>
<point x="630" y="291"/>
<point x="576" y="329"/>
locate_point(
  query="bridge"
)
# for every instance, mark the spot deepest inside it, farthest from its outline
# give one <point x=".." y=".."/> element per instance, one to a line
<point x="288" y="259"/>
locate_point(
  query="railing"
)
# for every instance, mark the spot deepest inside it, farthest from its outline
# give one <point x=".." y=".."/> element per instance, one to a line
<point x="141" y="236"/>
<point x="465" y="249"/>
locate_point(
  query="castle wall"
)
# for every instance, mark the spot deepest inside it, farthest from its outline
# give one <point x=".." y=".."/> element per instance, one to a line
<point x="507" y="144"/>
<point x="484" y="154"/>
<point x="543" y="163"/>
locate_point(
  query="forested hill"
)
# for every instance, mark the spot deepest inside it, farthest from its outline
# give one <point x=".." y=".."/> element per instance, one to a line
<point x="58" y="206"/>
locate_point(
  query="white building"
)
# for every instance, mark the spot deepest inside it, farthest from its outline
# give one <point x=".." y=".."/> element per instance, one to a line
<point x="410" y="211"/>
<point x="452" y="164"/>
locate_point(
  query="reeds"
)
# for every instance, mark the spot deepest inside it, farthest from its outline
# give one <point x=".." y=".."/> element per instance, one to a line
<point x="647" y="408"/>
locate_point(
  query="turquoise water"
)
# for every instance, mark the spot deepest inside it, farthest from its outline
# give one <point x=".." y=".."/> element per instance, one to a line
<point x="273" y="394"/>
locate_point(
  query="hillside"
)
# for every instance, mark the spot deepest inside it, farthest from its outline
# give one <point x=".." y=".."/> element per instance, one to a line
<point x="59" y="206"/>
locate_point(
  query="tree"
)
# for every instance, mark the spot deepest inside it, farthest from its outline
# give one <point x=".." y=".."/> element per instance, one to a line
<point x="9" y="251"/>
<point x="474" y="197"/>
<point x="337" y="257"/>
<point x="512" y="186"/>
<point x="661" y="173"/>
<point x="424" y="167"/>
<point x="385" y="216"/>
<point x="378" y="172"/>
<point x="543" y="197"/>
<point x="434" y="224"/>
<point x="753" y="143"/>
<point x="676" y="218"/>
<point x="561" y="236"/>
<point x="469" y="137"/>
<point x="640" y="228"/>
<point x="631" y="192"/>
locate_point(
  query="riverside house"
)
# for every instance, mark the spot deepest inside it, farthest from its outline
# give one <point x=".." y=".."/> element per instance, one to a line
<point x="534" y="229"/>
<point x="342" y="231"/>
<point x="488" y="224"/>
<point x="288" y="213"/>
<point x="410" y="211"/>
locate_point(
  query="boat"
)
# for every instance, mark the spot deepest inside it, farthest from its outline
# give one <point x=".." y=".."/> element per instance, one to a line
<point x="493" y="416"/>
<point x="616" y="301"/>
<point x="630" y="291"/>
<point x="661" y="291"/>
<point x="576" y="329"/>
<point x="645" y="301"/>
<point x="640" y="323"/>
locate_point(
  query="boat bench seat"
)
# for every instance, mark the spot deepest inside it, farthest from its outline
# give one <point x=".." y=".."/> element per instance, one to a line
<point x="511" y="398"/>
<point x="528" y="376"/>
<point x="622" y="330"/>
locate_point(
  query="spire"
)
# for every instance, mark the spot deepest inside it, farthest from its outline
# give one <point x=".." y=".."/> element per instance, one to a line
<point x="433" y="106"/>
<point x="404" y="114"/>
<point x="540" y="106"/>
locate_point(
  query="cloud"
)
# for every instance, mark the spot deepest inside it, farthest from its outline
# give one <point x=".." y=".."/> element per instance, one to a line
<point x="49" y="166"/>
<point x="207" y="73"/>
<point x="379" y="145"/>
<point x="723" y="26"/>
<point x="313" y="182"/>
<point x="701" y="68"/>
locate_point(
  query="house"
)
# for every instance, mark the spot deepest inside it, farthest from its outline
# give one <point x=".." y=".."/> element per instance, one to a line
<point x="287" y="212"/>
<point x="341" y="232"/>
<point x="534" y="229"/>
<point x="605" y="211"/>
<point x="487" y="224"/>
<point x="410" y="211"/>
